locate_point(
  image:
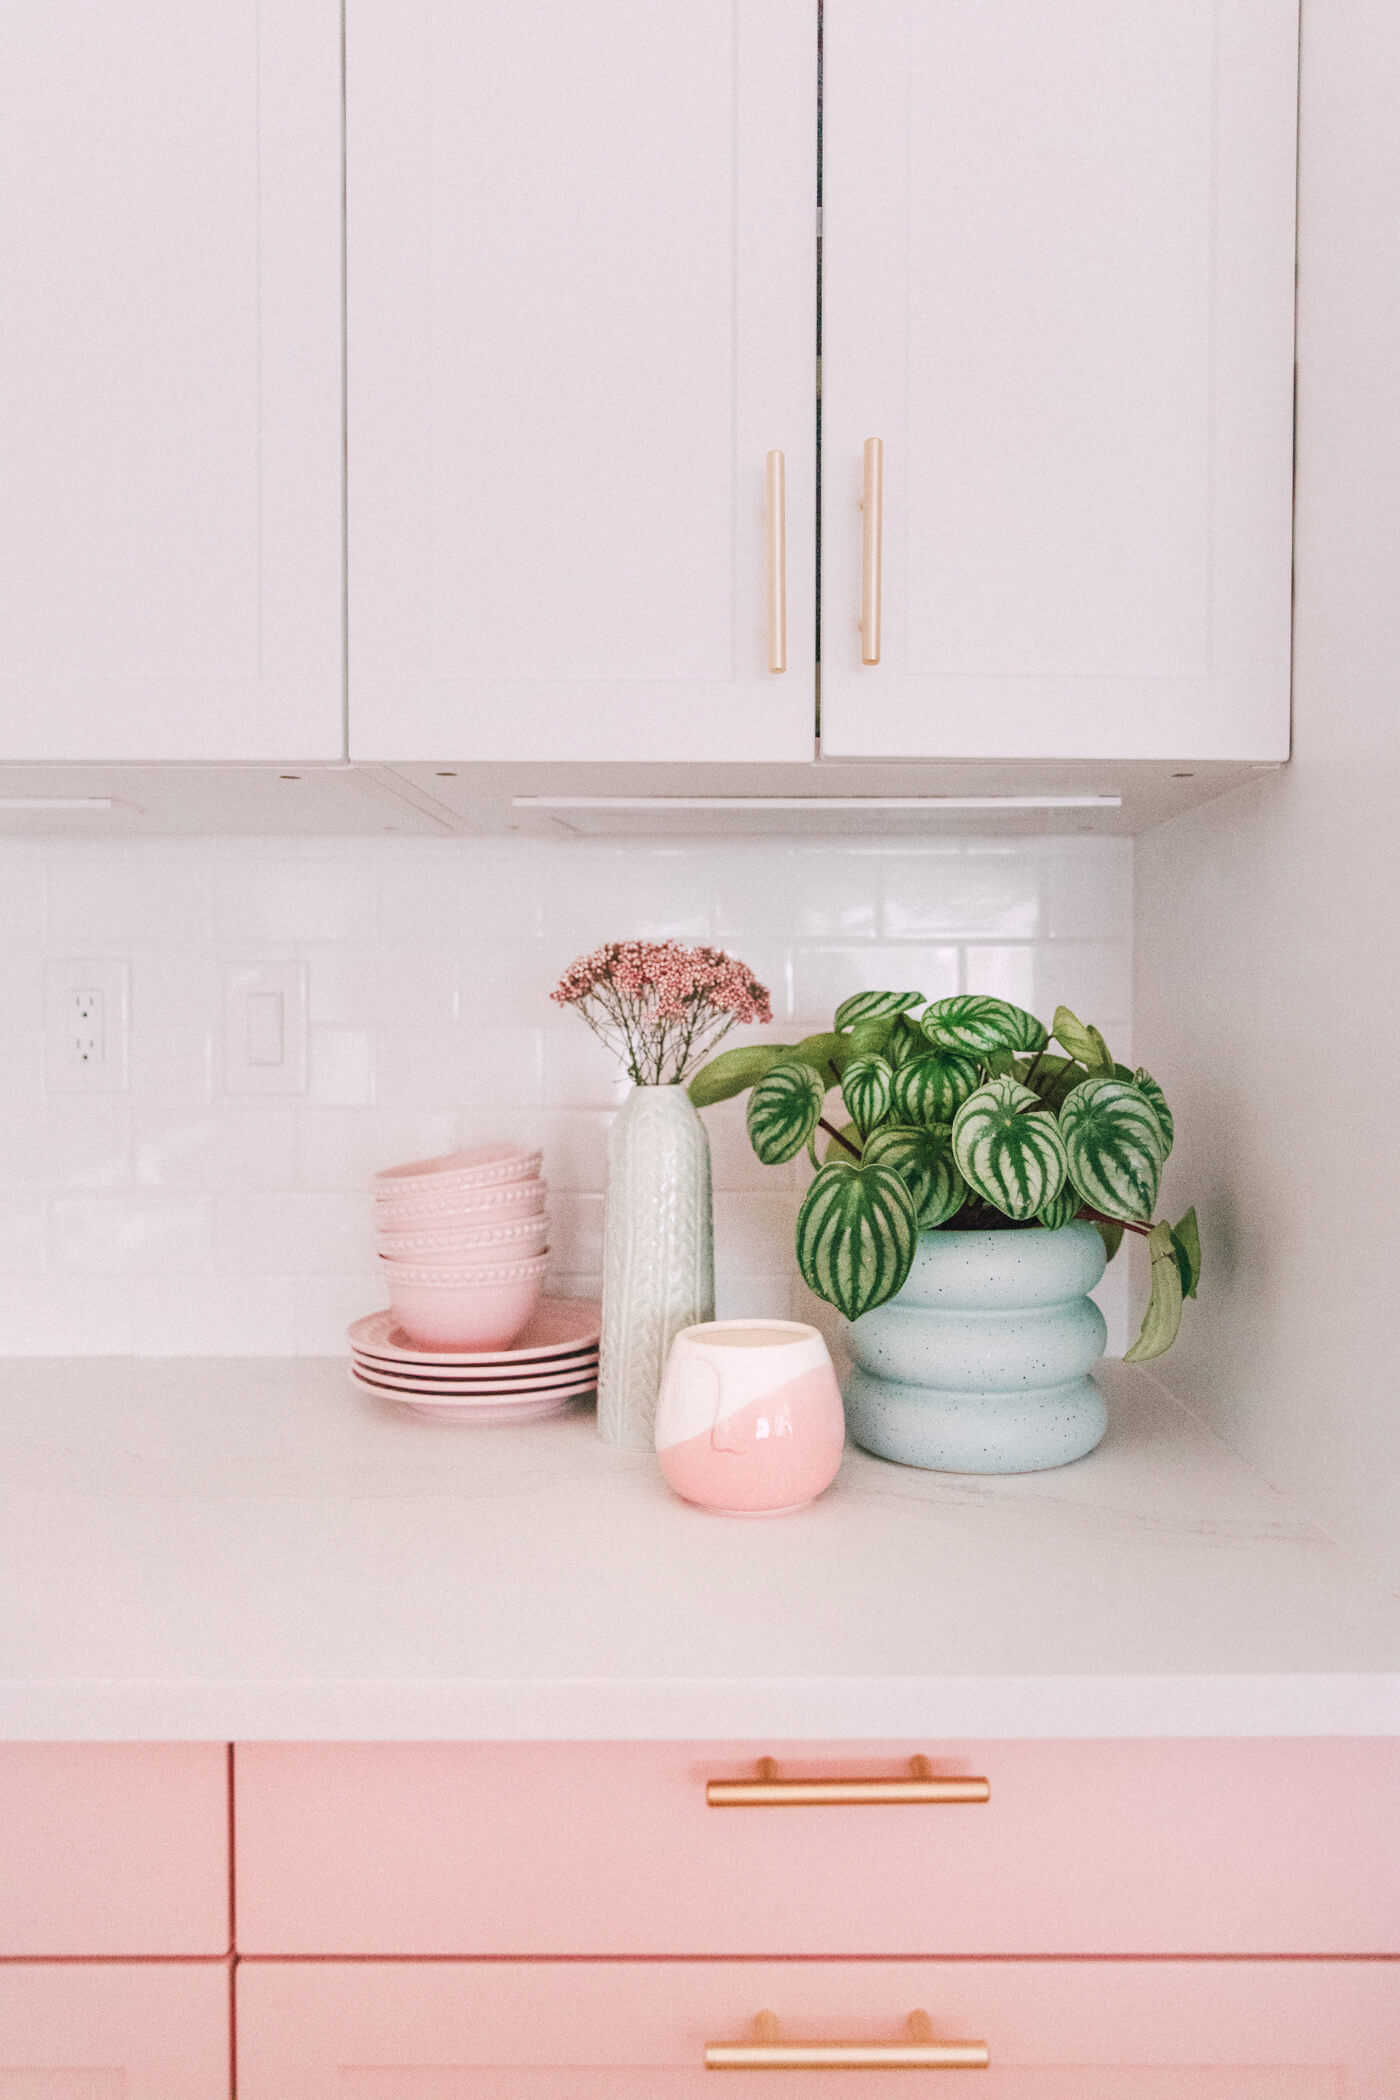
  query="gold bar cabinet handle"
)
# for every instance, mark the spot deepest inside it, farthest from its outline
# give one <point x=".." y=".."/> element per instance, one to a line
<point x="872" y="534"/>
<point x="918" y="2052"/>
<point x="777" y="562"/>
<point x="768" y="1791"/>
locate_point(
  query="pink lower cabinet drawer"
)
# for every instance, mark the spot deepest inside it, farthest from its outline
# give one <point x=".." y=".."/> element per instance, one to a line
<point x="600" y="2031"/>
<point x="114" y="1848"/>
<point x="1279" y="1847"/>
<point x="114" y="2031"/>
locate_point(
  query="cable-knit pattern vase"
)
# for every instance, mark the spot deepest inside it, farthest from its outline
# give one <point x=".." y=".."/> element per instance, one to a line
<point x="658" y="1254"/>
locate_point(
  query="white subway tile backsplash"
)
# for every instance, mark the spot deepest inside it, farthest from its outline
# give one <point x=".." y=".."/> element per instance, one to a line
<point x="112" y="897"/>
<point x="23" y="900"/>
<point x="989" y="896"/>
<point x="340" y="1067"/>
<point x="129" y="1235"/>
<point x="173" y="1218"/>
<point x="213" y="1315"/>
<point x="1089" y="893"/>
<point x="294" y="900"/>
<point x="60" y="1314"/>
<point x="824" y="976"/>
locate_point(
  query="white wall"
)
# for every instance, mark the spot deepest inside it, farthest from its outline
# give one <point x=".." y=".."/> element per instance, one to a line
<point x="176" y="1218"/>
<point x="1268" y="934"/>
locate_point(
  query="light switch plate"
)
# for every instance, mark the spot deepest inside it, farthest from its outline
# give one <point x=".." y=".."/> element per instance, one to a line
<point x="265" y="1028"/>
<point x="87" y="1025"/>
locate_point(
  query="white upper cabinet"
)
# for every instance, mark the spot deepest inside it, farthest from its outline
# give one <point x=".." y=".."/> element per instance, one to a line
<point x="582" y="314"/>
<point x="1058" y="287"/>
<point x="170" y="380"/>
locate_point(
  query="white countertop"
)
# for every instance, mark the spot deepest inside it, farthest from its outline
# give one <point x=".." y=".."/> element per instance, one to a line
<point x="253" y="1549"/>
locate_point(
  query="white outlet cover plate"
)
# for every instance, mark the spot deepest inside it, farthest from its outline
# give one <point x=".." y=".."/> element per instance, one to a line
<point x="264" y="1013"/>
<point x="65" y="1070"/>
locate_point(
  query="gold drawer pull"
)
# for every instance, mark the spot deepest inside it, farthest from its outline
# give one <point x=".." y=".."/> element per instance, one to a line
<point x="768" y="1791"/>
<point x="918" y="2052"/>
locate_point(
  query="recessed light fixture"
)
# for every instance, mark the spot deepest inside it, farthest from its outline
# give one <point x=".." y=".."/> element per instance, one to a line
<point x="74" y="802"/>
<point x="875" y="804"/>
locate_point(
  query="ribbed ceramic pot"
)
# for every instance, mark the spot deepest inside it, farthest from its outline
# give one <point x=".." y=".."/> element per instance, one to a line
<point x="658" y="1254"/>
<point x="980" y="1363"/>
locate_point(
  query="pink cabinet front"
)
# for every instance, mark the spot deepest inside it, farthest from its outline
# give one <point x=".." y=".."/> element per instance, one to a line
<point x="1270" y="1847"/>
<point x="114" y="2031"/>
<point x="114" y="1848"/>
<point x="598" y="2031"/>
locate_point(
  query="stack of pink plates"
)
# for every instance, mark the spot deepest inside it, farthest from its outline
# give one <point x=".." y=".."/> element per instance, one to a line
<point x="553" y="1361"/>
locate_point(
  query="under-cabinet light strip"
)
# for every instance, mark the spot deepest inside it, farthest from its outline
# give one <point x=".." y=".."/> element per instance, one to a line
<point x="78" y="802"/>
<point x="875" y="803"/>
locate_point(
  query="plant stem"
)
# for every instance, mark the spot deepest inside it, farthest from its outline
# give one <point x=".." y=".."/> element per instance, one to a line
<point x="1096" y="1217"/>
<point x="832" y="1131"/>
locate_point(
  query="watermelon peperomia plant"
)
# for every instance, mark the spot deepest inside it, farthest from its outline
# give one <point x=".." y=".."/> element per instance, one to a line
<point x="957" y="1115"/>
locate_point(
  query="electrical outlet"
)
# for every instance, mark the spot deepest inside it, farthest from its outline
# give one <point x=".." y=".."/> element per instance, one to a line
<point x="87" y="1026"/>
<point x="265" y="1028"/>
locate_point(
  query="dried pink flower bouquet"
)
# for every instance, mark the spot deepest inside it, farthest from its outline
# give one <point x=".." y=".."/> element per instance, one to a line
<point x="662" y="1007"/>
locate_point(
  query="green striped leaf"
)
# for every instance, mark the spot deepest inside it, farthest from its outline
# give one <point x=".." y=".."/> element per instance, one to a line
<point x="1062" y="1209"/>
<point x="1163" y="1316"/>
<point x="1052" y="1078"/>
<point x="1114" y="1143"/>
<point x="868" y="1038"/>
<point x="923" y="1159"/>
<point x="975" y="1023"/>
<point x="850" y="1150"/>
<point x="856" y="1235"/>
<point x="1082" y="1042"/>
<point x="1033" y="1034"/>
<point x="870" y="1006"/>
<point x="822" y="1052"/>
<point x="733" y="1071"/>
<point x="865" y="1089"/>
<point x="1186" y="1238"/>
<point x="1146" y="1084"/>
<point x="783" y="1110"/>
<point x="1009" y="1151"/>
<point x="906" y="1042"/>
<point x="1112" y="1237"/>
<point x="934" y="1087"/>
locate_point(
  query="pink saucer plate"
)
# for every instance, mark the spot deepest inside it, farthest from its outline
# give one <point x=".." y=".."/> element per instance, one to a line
<point x="451" y="1408"/>
<point x="557" y="1327"/>
<point x="582" y="1381"/>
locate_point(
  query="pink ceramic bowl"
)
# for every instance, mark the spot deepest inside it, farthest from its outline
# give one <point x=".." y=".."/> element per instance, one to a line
<point x="469" y="1245"/>
<point x="488" y="1166"/>
<point x="516" y="1199"/>
<point x="453" y="1308"/>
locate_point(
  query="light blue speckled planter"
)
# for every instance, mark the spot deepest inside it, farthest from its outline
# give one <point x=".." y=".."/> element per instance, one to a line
<point x="980" y="1363"/>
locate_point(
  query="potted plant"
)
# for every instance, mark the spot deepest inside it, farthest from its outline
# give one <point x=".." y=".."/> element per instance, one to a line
<point x="972" y="1187"/>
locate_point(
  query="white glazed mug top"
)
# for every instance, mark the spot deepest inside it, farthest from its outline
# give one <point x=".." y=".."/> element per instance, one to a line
<point x="723" y="1366"/>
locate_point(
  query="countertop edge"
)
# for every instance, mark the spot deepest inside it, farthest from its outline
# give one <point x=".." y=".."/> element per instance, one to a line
<point x="698" y="1710"/>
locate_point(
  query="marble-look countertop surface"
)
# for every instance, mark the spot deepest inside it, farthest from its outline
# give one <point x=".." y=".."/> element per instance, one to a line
<point x="252" y="1548"/>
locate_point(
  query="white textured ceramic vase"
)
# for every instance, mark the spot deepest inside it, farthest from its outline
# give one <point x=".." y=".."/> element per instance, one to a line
<point x="658" y="1254"/>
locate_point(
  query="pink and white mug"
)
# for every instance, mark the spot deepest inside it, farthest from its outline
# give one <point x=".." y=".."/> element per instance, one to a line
<point x="749" y="1420"/>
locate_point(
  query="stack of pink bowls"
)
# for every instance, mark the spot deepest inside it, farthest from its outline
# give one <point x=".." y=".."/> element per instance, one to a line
<point x="462" y="1244"/>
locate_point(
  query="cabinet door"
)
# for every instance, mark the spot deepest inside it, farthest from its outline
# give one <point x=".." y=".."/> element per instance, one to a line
<point x="114" y="1848"/>
<point x="584" y="2031"/>
<point x="582" y="269"/>
<point x="114" y="2031"/>
<point x="170" y="412"/>
<point x="1058" y="287"/>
